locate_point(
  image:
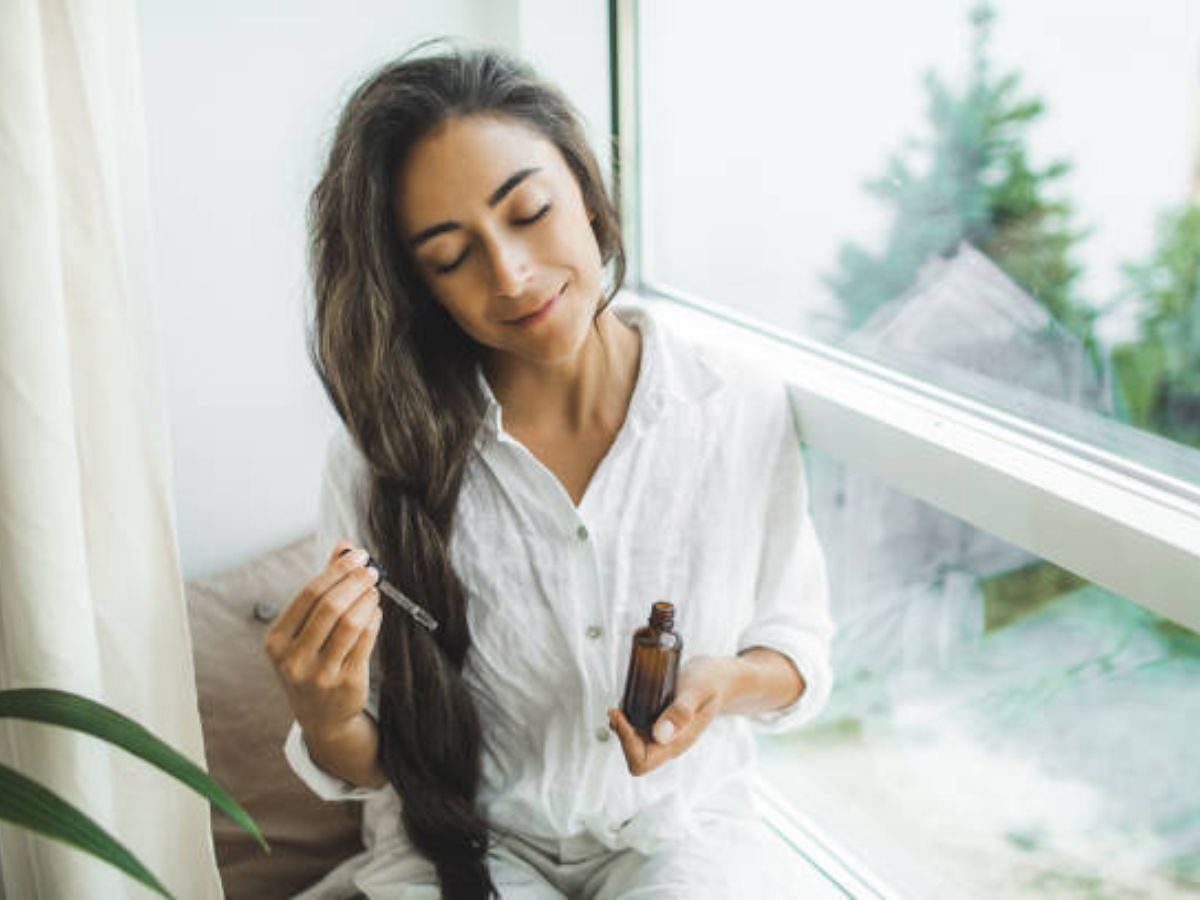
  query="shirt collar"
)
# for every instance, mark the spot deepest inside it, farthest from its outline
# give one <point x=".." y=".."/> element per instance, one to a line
<point x="671" y="374"/>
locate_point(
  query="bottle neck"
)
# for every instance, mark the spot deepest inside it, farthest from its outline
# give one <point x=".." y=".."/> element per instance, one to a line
<point x="662" y="616"/>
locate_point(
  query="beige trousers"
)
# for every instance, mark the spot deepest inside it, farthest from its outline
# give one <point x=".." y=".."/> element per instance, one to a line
<point x="737" y="858"/>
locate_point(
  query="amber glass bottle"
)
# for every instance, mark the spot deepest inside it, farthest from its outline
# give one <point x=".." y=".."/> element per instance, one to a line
<point x="653" y="667"/>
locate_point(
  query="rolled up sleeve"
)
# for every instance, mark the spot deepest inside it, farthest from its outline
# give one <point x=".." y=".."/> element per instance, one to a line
<point x="791" y="603"/>
<point x="324" y="784"/>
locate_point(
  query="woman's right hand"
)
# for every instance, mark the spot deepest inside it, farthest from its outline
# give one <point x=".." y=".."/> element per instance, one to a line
<point x="321" y="643"/>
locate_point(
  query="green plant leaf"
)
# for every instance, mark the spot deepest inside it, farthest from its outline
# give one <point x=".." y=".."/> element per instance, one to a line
<point x="28" y="804"/>
<point x="54" y="707"/>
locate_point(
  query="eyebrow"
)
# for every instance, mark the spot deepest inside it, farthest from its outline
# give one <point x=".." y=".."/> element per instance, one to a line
<point x="497" y="195"/>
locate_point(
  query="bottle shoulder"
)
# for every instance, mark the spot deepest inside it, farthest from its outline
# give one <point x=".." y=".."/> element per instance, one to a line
<point x="649" y="636"/>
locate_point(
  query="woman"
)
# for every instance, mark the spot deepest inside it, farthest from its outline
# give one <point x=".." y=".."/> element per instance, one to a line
<point x="533" y="467"/>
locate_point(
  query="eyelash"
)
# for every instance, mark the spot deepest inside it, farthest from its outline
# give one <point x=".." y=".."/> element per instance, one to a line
<point x="447" y="269"/>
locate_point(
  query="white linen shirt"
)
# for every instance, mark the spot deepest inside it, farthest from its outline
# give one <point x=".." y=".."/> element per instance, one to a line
<point x="701" y="500"/>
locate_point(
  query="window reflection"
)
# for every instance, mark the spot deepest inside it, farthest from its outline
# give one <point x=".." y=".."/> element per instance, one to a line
<point x="899" y="149"/>
<point x="997" y="723"/>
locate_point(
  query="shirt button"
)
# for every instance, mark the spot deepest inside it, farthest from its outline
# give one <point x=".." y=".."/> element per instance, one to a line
<point x="602" y="734"/>
<point x="265" y="611"/>
<point x="594" y="631"/>
<point x="581" y="532"/>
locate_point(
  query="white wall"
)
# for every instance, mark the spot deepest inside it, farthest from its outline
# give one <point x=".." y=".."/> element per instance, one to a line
<point x="567" y="42"/>
<point x="240" y="102"/>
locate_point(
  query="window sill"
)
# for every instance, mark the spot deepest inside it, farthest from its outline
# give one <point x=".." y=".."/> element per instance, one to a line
<point x="823" y="868"/>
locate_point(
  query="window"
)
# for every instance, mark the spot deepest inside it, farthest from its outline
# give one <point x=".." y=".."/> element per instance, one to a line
<point x="995" y="357"/>
<point x="1022" y="733"/>
<point x="1000" y="200"/>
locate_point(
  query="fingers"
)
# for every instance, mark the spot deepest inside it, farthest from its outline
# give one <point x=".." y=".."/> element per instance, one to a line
<point x="685" y="725"/>
<point x="678" y="718"/>
<point x="332" y="606"/>
<point x="640" y="756"/>
<point x="338" y="549"/>
<point x="347" y="630"/>
<point x="339" y="584"/>
<point x="635" y="749"/>
<point x="358" y="661"/>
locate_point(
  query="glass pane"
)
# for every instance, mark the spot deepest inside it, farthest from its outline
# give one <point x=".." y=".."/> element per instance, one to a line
<point x="999" y="199"/>
<point x="997" y="724"/>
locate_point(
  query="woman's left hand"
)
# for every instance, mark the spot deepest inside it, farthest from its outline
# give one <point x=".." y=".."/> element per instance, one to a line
<point x="700" y="692"/>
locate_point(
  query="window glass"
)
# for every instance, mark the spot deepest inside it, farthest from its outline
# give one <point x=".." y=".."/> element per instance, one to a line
<point x="997" y="723"/>
<point x="999" y="198"/>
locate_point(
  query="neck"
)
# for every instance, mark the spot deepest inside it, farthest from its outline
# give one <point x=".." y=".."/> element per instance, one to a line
<point x="587" y="390"/>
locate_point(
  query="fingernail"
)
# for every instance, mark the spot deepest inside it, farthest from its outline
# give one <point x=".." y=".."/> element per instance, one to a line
<point x="360" y="557"/>
<point x="664" y="730"/>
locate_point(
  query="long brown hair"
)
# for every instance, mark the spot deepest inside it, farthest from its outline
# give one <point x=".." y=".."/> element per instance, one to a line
<point x="401" y="375"/>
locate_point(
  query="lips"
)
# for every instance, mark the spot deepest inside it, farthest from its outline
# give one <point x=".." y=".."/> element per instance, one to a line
<point x="540" y="311"/>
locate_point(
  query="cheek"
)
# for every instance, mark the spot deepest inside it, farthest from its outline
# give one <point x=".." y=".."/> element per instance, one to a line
<point x="580" y="242"/>
<point x="464" y="305"/>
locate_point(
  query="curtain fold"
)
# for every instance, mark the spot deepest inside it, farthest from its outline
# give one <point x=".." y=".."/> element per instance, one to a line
<point x="91" y="598"/>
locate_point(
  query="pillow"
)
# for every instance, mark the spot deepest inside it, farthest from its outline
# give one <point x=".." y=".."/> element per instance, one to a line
<point x="245" y="718"/>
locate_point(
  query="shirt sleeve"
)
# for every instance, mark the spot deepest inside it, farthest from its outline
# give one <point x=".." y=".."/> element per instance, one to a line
<point x="338" y="516"/>
<point x="324" y="784"/>
<point x="791" y="602"/>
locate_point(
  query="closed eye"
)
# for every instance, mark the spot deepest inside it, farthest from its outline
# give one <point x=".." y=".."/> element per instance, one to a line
<point x="537" y="215"/>
<point x="450" y="267"/>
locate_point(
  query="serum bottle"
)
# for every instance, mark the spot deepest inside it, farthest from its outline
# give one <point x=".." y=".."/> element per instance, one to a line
<point x="653" y="667"/>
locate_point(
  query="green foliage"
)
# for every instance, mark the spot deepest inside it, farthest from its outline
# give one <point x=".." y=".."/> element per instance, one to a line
<point x="28" y="804"/>
<point x="1013" y="595"/>
<point x="1159" y="373"/>
<point x="971" y="180"/>
<point x="1140" y="369"/>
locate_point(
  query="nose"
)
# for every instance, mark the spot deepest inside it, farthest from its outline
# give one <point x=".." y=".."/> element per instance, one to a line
<point x="512" y="269"/>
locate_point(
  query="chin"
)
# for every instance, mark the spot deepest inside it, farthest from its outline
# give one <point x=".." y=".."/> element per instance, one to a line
<point x="551" y="349"/>
<point x="554" y="345"/>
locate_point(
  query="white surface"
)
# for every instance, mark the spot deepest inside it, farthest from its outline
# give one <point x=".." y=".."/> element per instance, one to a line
<point x="568" y="43"/>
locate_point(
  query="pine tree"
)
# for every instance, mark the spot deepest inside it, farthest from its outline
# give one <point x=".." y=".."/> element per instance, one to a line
<point x="1159" y="373"/>
<point x="971" y="180"/>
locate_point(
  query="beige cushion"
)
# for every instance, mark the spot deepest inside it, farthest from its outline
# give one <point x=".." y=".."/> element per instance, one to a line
<point x="245" y="718"/>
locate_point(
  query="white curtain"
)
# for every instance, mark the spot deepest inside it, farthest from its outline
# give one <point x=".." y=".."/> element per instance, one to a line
<point x="90" y="593"/>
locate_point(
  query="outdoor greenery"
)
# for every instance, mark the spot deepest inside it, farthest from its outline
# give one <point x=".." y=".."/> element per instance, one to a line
<point x="1159" y="373"/>
<point x="971" y="180"/>
<point x="30" y="805"/>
